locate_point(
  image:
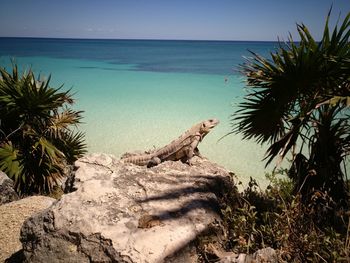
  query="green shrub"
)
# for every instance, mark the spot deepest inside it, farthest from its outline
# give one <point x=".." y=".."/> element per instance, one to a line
<point x="298" y="102"/>
<point x="313" y="232"/>
<point x="36" y="139"/>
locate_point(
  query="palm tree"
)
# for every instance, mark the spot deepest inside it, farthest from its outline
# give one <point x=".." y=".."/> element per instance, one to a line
<point x="36" y="141"/>
<point x="300" y="97"/>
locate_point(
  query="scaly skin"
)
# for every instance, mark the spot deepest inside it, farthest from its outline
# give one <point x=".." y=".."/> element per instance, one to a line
<point x="182" y="148"/>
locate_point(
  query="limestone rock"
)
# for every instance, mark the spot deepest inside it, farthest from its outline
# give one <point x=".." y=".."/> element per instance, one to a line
<point x="12" y="216"/>
<point x="126" y="213"/>
<point x="7" y="193"/>
<point x="265" y="255"/>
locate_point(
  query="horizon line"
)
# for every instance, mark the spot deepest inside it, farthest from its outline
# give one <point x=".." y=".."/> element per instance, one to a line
<point x="141" y="39"/>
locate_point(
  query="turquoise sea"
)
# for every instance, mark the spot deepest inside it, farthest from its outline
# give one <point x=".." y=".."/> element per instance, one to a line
<point x="140" y="94"/>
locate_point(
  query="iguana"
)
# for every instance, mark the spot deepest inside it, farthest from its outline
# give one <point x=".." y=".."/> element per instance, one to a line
<point x="182" y="148"/>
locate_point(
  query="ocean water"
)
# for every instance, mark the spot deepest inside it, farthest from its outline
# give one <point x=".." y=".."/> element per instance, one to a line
<point x="140" y="94"/>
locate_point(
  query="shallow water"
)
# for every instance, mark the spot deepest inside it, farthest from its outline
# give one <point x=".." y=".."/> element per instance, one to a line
<point x="137" y="95"/>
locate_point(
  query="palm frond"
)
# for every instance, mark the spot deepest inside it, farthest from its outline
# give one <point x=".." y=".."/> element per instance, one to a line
<point x="72" y="144"/>
<point x="61" y="122"/>
<point x="300" y="96"/>
<point x="9" y="161"/>
<point x="36" y="125"/>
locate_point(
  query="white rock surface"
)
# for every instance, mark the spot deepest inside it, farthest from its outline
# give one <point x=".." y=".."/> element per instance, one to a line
<point x="126" y="213"/>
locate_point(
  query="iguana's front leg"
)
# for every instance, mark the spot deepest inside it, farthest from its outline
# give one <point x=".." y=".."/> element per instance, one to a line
<point x="192" y="149"/>
<point x="197" y="153"/>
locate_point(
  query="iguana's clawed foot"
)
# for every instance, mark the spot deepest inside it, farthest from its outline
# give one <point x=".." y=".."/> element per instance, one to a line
<point x="153" y="162"/>
<point x="189" y="162"/>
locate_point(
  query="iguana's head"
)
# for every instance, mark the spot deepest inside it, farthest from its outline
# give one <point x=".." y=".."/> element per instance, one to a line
<point x="207" y="125"/>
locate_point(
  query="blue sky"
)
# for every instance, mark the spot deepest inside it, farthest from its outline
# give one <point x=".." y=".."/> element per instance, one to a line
<point x="165" y="19"/>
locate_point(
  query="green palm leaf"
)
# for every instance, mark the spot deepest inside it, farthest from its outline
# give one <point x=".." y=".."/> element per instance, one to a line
<point x="9" y="161"/>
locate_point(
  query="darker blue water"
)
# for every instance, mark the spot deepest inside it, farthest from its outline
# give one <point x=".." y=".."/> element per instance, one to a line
<point x="205" y="57"/>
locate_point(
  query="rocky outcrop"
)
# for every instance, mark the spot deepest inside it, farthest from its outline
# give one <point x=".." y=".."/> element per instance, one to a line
<point x="7" y="193"/>
<point x="126" y="213"/>
<point x="12" y="216"/>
